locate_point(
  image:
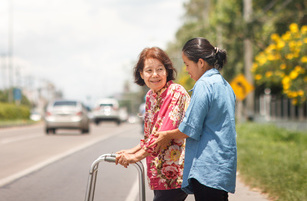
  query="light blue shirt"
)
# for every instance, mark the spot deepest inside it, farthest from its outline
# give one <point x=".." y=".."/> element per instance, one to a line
<point x="211" y="150"/>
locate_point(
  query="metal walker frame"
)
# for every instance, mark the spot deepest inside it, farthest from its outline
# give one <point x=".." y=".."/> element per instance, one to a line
<point x="90" y="192"/>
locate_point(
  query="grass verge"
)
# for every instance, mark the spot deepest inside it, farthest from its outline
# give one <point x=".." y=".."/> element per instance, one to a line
<point x="273" y="160"/>
<point x="19" y="122"/>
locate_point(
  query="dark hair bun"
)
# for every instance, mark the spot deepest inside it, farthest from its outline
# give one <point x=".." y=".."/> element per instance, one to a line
<point x="221" y="58"/>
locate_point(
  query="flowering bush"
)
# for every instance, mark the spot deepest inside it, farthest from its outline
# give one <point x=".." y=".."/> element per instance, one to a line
<point x="284" y="63"/>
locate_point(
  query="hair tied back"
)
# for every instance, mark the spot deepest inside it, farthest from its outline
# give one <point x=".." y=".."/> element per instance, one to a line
<point x="216" y="50"/>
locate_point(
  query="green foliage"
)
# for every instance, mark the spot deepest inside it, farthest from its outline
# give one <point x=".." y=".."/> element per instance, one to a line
<point x="13" y="112"/>
<point x="284" y="63"/>
<point x="273" y="160"/>
<point x="185" y="80"/>
<point x="223" y="24"/>
<point x="4" y="97"/>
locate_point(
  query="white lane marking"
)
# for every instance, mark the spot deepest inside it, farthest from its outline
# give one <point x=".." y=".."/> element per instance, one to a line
<point x="38" y="166"/>
<point x="133" y="194"/>
<point x="16" y="139"/>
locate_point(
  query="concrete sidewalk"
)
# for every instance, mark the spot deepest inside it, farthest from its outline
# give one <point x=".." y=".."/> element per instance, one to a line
<point x="244" y="193"/>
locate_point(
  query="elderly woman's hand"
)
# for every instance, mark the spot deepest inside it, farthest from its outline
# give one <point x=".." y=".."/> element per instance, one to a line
<point x="125" y="159"/>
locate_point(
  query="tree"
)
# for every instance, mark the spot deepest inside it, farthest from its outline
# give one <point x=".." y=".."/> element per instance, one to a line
<point x="222" y="23"/>
<point x="4" y="97"/>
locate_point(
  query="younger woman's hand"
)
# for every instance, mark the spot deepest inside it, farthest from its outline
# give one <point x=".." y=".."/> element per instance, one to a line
<point x="162" y="140"/>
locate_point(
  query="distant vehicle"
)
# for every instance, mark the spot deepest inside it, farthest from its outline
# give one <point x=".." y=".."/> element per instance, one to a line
<point x="66" y="114"/>
<point x="35" y="116"/>
<point x="106" y="110"/>
<point x="123" y="114"/>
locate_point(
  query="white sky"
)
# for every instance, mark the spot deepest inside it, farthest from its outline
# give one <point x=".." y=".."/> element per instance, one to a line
<point x="87" y="48"/>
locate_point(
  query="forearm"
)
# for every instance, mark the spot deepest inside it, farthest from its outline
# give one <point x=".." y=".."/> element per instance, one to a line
<point x="175" y="134"/>
<point x="130" y="151"/>
<point x="135" y="149"/>
<point x="140" y="155"/>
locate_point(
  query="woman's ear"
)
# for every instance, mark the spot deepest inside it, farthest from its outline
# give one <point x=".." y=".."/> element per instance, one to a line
<point x="201" y="63"/>
<point x="141" y="74"/>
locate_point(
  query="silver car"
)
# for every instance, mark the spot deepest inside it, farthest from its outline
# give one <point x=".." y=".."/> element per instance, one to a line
<point x="107" y="110"/>
<point x="66" y="114"/>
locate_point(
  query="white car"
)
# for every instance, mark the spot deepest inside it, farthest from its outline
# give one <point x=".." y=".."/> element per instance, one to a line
<point x="66" y="114"/>
<point x="106" y="110"/>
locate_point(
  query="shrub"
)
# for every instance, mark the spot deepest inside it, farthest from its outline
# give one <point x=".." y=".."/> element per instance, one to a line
<point x="13" y="112"/>
<point x="284" y="63"/>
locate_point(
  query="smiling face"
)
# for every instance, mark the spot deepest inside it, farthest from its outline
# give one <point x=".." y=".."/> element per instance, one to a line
<point x="154" y="74"/>
<point x="195" y="70"/>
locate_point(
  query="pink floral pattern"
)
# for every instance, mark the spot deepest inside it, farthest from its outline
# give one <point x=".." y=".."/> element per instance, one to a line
<point x="165" y="111"/>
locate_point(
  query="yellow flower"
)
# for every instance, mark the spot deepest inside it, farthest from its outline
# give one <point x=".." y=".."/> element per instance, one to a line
<point x="271" y="57"/>
<point x="286" y="36"/>
<point x="299" y="43"/>
<point x="286" y="80"/>
<point x="292" y="94"/>
<point x="305" y="79"/>
<point x="280" y="44"/>
<point x="293" y="74"/>
<point x="305" y="40"/>
<point x="292" y="44"/>
<point x="289" y="56"/>
<point x="268" y="74"/>
<point x="294" y="101"/>
<point x="299" y="69"/>
<point x="270" y="48"/>
<point x="300" y="92"/>
<point x="304" y="29"/>
<point x="254" y="67"/>
<point x="258" y="77"/>
<point x="262" y="60"/>
<point x="296" y="55"/>
<point x="283" y="66"/>
<point x="286" y="86"/>
<point x="293" y="28"/>
<point x="304" y="59"/>
<point x="275" y="37"/>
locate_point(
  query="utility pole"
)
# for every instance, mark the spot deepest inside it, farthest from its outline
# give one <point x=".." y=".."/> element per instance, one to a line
<point x="248" y="58"/>
<point x="3" y="66"/>
<point x="10" y="50"/>
<point x="206" y="13"/>
<point x="219" y="29"/>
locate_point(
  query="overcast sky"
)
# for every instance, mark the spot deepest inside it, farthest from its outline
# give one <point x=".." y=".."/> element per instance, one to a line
<point x="87" y="48"/>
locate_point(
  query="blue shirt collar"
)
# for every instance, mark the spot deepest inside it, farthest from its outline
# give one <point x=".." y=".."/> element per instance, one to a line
<point x="208" y="73"/>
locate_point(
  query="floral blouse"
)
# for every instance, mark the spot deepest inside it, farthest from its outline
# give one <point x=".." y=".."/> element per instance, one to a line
<point x="164" y="111"/>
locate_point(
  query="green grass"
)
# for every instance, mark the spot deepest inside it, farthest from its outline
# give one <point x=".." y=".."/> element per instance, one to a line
<point x="18" y="122"/>
<point x="273" y="160"/>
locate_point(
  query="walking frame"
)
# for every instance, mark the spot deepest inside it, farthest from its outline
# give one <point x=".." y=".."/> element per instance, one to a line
<point x="90" y="192"/>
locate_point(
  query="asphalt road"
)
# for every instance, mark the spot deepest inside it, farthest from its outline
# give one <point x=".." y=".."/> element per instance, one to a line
<point x="39" y="167"/>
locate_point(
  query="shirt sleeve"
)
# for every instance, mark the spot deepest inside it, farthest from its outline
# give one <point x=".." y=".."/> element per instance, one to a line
<point x="171" y="114"/>
<point x="193" y="122"/>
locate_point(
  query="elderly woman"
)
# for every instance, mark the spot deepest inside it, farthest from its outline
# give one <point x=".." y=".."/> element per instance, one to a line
<point x="165" y="106"/>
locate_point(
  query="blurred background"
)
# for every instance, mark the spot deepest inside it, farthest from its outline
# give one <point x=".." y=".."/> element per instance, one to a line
<point x="86" y="50"/>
